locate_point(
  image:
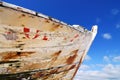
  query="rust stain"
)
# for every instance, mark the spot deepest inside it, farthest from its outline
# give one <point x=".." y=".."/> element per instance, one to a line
<point x="54" y="58"/>
<point x="77" y="35"/>
<point x="14" y="55"/>
<point x="55" y="26"/>
<point x="47" y="21"/>
<point x="71" y="59"/>
<point x="22" y="25"/>
<point x="22" y="15"/>
<point x="34" y="66"/>
<point x="1" y="10"/>
<point x="29" y="67"/>
<point x="71" y="40"/>
<point x="40" y="75"/>
<point x="11" y="69"/>
<point x="73" y="66"/>
<point x="61" y="26"/>
<point x="56" y="54"/>
<point x="18" y="41"/>
<point x="37" y="75"/>
<point x="54" y="71"/>
<point x="75" y="51"/>
<point x="80" y="62"/>
<point x="23" y="37"/>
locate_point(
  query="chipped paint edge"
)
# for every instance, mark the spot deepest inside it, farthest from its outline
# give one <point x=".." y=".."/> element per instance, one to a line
<point x="25" y="10"/>
<point x="93" y="30"/>
<point x="12" y="6"/>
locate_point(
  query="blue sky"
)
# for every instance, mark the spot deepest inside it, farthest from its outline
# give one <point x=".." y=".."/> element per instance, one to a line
<point x="103" y="59"/>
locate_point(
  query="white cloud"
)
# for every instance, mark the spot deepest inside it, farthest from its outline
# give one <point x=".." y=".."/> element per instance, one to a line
<point x="115" y="11"/>
<point x="108" y="67"/>
<point x="107" y="72"/>
<point x="107" y="36"/>
<point x="106" y="58"/>
<point x="116" y="59"/>
<point x="99" y="65"/>
<point x="84" y="67"/>
<point x="113" y="71"/>
<point x="87" y="58"/>
<point x="111" y="59"/>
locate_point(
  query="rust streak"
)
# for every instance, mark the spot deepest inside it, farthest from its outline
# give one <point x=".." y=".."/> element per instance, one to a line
<point x="80" y="62"/>
<point x="54" y="71"/>
<point x="54" y="57"/>
<point x="22" y="15"/>
<point x="75" y="51"/>
<point x="37" y="75"/>
<point x="56" y="54"/>
<point x="14" y="55"/>
<point x="71" y="59"/>
<point x="73" y="66"/>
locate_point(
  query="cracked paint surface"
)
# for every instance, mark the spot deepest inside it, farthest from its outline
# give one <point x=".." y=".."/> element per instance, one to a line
<point x="39" y="48"/>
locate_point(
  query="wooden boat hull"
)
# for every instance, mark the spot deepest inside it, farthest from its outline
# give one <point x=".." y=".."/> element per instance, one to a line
<point x="36" y="47"/>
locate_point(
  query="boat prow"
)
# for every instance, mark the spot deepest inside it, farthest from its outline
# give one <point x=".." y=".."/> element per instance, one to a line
<point x="34" y="46"/>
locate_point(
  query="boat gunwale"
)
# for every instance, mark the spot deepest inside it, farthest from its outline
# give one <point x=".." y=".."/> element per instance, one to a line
<point x="34" y="13"/>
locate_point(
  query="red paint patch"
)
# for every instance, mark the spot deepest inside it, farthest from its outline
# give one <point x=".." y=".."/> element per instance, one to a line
<point x="76" y="36"/>
<point x="27" y="35"/>
<point x="71" y="40"/>
<point x="45" y="38"/>
<point x="37" y="31"/>
<point x="65" y="38"/>
<point x="26" y="30"/>
<point x="37" y="35"/>
<point x="9" y="32"/>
